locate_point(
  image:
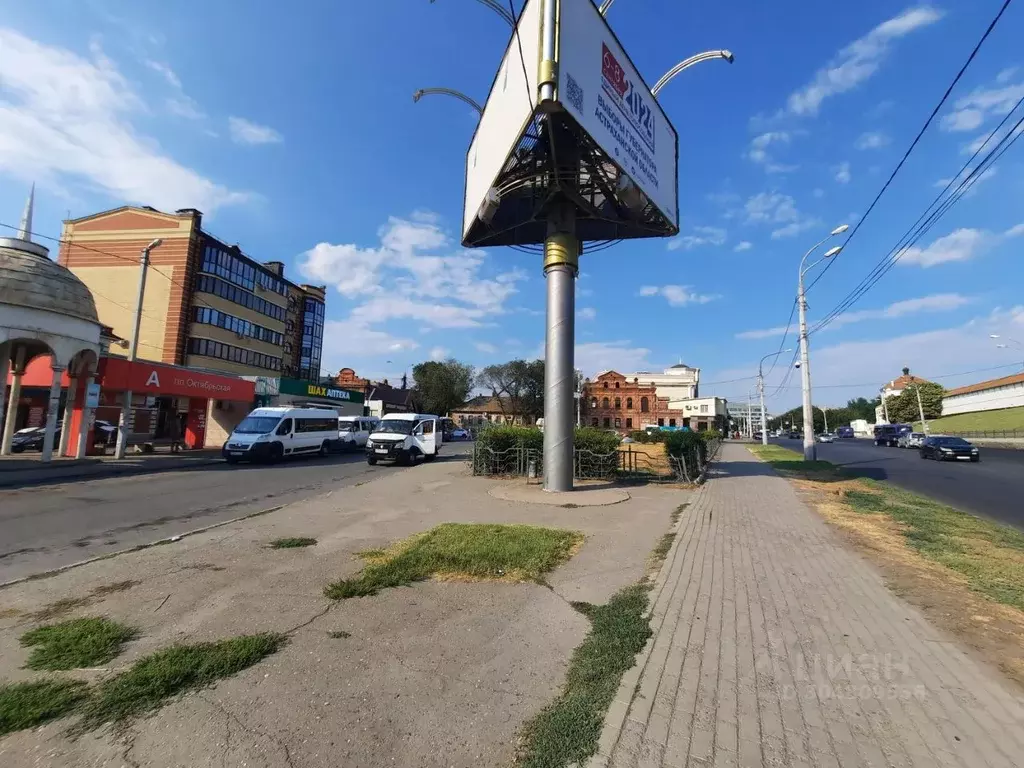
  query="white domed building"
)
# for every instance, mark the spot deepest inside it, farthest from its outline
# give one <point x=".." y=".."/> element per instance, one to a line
<point x="45" y="311"/>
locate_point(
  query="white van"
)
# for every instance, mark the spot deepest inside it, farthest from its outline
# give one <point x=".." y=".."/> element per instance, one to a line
<point x="270" y="434"/>
<point x="354" y="431"/>
<point x="405" y="438"/>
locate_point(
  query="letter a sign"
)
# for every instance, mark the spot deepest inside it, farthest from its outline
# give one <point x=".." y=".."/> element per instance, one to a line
<point x="153" y="380"/>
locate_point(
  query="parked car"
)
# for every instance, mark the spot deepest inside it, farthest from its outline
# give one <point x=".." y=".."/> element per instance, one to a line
<point x="845" y="432"/>
<point x="911" y="440"/>
<point x="31" y="438"/>
<point x="794" y="435"/>
<point x="826" y="438"/>
<point x="889" y="434"/>
<point x="942" y="448"/>
<point x="460" y="434"/>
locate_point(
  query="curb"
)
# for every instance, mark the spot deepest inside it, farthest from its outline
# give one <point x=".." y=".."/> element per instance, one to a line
<point x="112" y="472"/>
<point x="618" y="710"/>
<point x="137" y="547"/>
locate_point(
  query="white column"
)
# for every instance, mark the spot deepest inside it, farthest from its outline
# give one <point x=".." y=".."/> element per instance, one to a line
<point x="52" y="406"/>
<point x="69" y="410"/>
<point x="12" y="402"/>
<point x="5" y="367"/>
<point x="83" y="431"/>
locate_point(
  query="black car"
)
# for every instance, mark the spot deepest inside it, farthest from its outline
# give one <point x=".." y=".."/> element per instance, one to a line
<point x="943" y="448"/>
<point x="794" y="435"/>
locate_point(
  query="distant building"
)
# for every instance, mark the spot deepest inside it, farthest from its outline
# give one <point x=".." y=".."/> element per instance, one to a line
<point x="1005" y="392"/>
<point x="384" y="399"/>
<point x="487" y="409"/>
<point x="747" y="420"/>
<point x="628" y="402"/>
<point x="893" y="389"/>
<point x="207" y="304"/>
<point x="680" y="382"/>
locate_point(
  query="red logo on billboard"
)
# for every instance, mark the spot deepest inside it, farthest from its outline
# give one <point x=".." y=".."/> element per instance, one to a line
<point x="613" y="71"/>
<point x="630" y="100"/>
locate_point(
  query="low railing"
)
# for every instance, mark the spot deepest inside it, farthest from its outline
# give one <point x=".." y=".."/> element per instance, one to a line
<point x="1018" y="433"/>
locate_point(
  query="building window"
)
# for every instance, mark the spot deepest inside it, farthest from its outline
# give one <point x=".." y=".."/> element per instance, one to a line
<point x="237" y="325"/>
<point x="604" y="402"/>
<point x="218" y="287"/>
<point x="629" y="403"/>
<point x="605" y="385"/>
<point x="593" y="402"/>
<point x="221" y="351"/>
<point x="618" y="403"/>
<point x="661" y="422"/>
<point x="593" y="422"/>
<point x="671" y="422"/>
<point x="616" y="385"/>
<point x="629" y="423"/>
<point x="607" y="422"/>
<point x="703" y="409"/>
<point x="644" y="405"/>
<point x="618" y="423"/>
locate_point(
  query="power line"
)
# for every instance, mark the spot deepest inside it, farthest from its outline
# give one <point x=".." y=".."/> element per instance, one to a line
<point x="930" y="217"/>
<point x="917" y="138"/>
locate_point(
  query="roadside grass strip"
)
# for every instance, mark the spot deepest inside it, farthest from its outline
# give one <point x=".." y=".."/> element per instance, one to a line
<point x="76" y="643"/>
<point x="26" y="705"/>
<point x="462" y="552"/>
<point x="155" y="679"/>
<point x="566" y="732"/>
<point x="989" y="556"/>
<point x="292" y="543"/>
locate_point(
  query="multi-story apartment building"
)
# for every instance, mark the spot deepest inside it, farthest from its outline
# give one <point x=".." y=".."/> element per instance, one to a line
<point x="206" y="304"/>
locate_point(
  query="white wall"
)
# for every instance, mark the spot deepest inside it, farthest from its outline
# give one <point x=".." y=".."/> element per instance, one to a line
<point x="1009" y="396"/>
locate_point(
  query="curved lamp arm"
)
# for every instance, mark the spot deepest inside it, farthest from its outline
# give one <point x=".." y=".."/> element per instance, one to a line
<point x="603" y="9"/>
<point x="686" y="63"/>
<point x="447" y="92"/>
<point x="505" y="13"/>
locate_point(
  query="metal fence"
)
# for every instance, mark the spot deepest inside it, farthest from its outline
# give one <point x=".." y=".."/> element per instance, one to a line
<point x="988" y="433"/>
<point x="619" y="465"/>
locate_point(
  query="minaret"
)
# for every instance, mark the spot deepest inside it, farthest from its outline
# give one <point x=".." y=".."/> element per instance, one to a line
<point x="25" y="230"/>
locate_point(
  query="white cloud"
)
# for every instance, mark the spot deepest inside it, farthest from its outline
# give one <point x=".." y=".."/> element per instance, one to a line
<point x="678" y="295"/>
<point x="872" y="140"/>
<point x="622" y="356"/>
<point x="703" y="236"/>
<point x="183" y="106"/>
<point x="959" y="245"/>
<point x="794" y="228"/>
<point x="843" y="173"/>
<point x="586" y="313"/>
<point x="165" y="71"/>
<point x="348" y="341"/>
<point x="940" y="302"/>
<point x="980" y="104"/>
<point x="1007" y="75"/>
<point x="777" y="208"/>
<point x="744" y="245"/>
<point x="439" y="353"/>
<point x="245" y="132"/>
<point x="988" y="173"/>
<point x="1014" y="231"/>
<point x="984" y="140"/>
<point x="758" y="151"/>
<point x="859" y="60"/>
<point x="487" y="349"/>
<point x="66" y="119"/>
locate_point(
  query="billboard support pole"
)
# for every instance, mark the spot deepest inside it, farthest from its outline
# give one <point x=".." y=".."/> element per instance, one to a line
<point x="561" y="265"/>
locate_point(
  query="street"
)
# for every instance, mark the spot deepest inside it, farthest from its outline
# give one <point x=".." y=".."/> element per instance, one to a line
<point x="994" y="488"/>
<point x="42" y="528"/>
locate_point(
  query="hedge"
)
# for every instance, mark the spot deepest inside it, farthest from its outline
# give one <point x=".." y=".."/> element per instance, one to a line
<point x="501" y="438"/>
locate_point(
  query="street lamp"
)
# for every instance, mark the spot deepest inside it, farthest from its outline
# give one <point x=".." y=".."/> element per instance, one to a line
<point x="417" y="95"/>
<point x="760" y="389"/>
<point x="810" y="450"/>
<point x="1005" y="346"/>
<point x="603" y="9"/>
<point x="686" y="63"/>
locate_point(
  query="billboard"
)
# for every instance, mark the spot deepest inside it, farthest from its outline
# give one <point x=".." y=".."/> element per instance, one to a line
<point x="507" y="112"/>
<point x="599" y="86"/>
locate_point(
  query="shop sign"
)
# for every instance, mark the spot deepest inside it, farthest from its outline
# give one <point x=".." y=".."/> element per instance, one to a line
<point x="154" y="379"/>
<point x="319" y="391"/>
<point x="92" y="395"/>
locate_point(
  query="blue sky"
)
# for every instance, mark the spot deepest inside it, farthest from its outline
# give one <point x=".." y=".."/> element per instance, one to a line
<point x="297" y="136"/>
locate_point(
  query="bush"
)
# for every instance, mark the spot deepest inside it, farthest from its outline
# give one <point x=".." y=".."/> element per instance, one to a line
<point x="685" y="444"/>
<point x="595" y="440"/>
<point x="503" y="438"/>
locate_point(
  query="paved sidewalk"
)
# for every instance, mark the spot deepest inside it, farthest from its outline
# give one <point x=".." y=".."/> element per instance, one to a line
<point x="777" y="645"/>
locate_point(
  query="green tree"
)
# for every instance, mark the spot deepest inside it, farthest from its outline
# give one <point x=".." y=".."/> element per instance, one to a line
<point x="518" y="385"/>
<point x="441" y="386"/>
<point x="903" y="408"/>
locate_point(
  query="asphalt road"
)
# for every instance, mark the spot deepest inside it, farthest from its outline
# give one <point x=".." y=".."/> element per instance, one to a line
<point x="45" y="527"/>
<point x="992" y="488"/>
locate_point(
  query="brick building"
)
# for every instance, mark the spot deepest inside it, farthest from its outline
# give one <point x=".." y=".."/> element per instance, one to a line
<point x="486" y="409"/>
<point x="615" y="401"/>
<point x="207" y="304"/>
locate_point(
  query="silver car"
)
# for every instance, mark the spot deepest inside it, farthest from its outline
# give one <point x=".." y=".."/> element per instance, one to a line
<point x="911" y="440"/>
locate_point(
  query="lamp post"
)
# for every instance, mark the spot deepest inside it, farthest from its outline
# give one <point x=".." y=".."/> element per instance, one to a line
<point x="126" y="403"/>
<point x="810" y="450"/>
<point x="760" y="389"/>
<point x="920" y="407"/>
<point x="1006" y="346"/>
<point x="687" y="63"/>
<point x="417" y="95"/>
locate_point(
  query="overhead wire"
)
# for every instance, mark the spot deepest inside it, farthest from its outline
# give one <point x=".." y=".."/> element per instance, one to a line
<point x="917" y="139"/>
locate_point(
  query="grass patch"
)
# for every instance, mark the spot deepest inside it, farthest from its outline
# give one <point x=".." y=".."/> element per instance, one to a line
<point x="567" y="731"/>
<point x="787" y="460"/>
<point x="292" y="543"/>
<point x="664" y="544"/>
<point x="76" y="643"/>
<point x="26" y="705"/>
<point x="339" y="634"/>
<point x="61" y="607"/>
<point x="989" y="556"/>
<point x="112" y="589"/>
<point x="471" y="550"/>
<point x="1003" y="419"/>
<point x="156" y="678"/>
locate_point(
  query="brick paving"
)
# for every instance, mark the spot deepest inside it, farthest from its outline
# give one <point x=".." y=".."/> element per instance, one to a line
<point x="776" y="645"/>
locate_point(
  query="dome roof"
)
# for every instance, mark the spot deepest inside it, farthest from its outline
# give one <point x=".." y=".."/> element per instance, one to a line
<point x="29" y="279"/>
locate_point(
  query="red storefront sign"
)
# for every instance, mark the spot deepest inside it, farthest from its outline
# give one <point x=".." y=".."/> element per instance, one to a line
<point x="118" y="375"/>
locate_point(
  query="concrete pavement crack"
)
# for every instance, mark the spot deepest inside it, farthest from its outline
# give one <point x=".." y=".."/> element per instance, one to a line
<point x="249" y="729"/>
<point x="307" y="622"/>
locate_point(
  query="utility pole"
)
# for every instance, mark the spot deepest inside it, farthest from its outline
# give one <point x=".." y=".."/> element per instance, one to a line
<point x="920" y="407"/>
<point x="825" y="414"/>
<point x="760" y="389"/>
<point x="885" y="405"/>
<point x="126" y="403"/>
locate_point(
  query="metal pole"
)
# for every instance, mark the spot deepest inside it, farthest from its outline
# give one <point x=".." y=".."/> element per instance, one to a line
<point x="548" y="72"/>
<point x="561" y="264"/>
<point x="885" y="405"/>
<point x="920" y="408"/>
<point x="764" y="426"/>
<point x="126" y="402"/>
<point x="750" y="421"/>
<point x="810" y="452"/>
<point x="824" y="413"/>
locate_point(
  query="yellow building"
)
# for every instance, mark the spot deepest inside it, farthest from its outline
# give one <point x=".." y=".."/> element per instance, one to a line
<point x="206" y="304"/>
